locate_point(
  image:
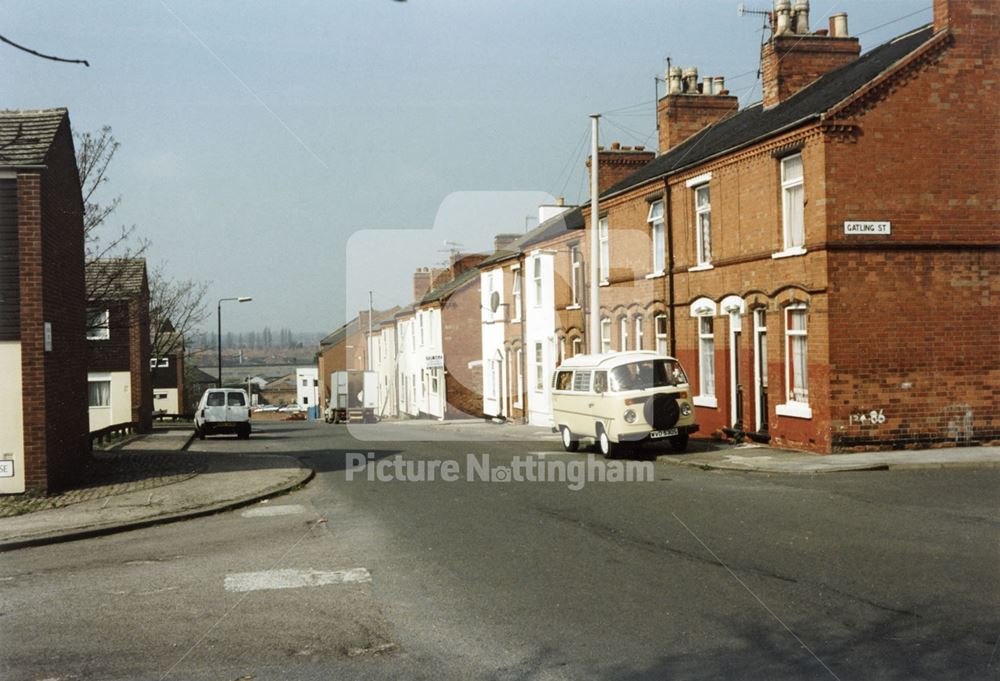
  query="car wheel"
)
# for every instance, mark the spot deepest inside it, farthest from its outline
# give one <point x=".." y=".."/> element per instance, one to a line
<point x="679" y="443"/>
<point x="608" y="448"/>
<point x="569" y="443"/>
<point x="201" y="433"/>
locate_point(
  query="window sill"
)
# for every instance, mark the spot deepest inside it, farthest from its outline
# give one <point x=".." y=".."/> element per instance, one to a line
<point x="656" y="275"/>
<point x="705" y="266"/>
<point x="515" y="321"/>
<point x="789" y="253"/>
<point x="604" y="282"/>
<point x="572" y="307"/>
<point x="798" y="410"/>
<point x="705" y="401"/>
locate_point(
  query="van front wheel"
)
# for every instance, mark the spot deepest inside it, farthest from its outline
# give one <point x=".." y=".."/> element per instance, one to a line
<point x="608" y="448"/>
<point x="570" y="444"/>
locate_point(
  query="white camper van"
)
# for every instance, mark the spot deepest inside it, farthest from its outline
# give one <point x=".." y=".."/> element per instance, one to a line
<point x="621" y="399"/>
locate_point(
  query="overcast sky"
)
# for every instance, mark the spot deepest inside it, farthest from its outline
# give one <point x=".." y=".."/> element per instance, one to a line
<point x="257" y="137"/>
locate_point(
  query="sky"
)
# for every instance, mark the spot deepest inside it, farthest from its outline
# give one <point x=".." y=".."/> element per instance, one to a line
<point x="258" y="138"/>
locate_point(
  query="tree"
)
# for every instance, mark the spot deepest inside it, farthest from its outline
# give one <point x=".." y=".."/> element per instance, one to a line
<point x="94" y="153"/>
<point x="175" y="309"/>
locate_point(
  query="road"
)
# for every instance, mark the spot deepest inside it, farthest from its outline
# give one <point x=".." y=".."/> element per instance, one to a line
<point x="692" y="575"/>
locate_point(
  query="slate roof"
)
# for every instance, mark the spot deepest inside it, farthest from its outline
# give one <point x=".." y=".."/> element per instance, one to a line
<point x="350" y="327"/>
<point x="756" y="123"/>
<point x="449" y="287"/>
<point x="115" y="278"/>
<point x="26" y="136"/>
<point x="197" y="376"/>
<point x="553" y="227"/>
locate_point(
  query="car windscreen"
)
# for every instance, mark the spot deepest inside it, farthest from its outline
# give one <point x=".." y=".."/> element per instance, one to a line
<point x="216" y="400"/>
<point x="237" y="400"/>
<point x="646" y="374"/>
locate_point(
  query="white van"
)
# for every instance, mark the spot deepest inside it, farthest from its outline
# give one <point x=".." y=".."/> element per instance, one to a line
<point x="621" y="399"/>
<point x="223" y="410"/>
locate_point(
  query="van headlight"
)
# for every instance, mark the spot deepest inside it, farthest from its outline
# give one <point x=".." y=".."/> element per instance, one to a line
<point x="685" y="409"/>
<point x="629" y="416"/>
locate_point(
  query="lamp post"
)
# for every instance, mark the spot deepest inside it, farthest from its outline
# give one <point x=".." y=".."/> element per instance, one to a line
<point x="218" y="310"/>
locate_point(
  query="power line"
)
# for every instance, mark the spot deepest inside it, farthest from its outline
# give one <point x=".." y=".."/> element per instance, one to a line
<point x="44" y="56"/>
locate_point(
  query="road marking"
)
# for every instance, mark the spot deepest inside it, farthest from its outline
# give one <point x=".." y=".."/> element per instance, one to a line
<point x="294" y="579"/>
<point x="262" y="511"/>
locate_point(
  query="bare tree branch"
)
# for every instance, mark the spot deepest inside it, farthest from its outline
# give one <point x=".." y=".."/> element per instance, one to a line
<point x="175" y="309"/>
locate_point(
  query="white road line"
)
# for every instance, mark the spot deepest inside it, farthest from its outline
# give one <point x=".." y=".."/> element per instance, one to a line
<point x="262" y="511"/>
<point x="293" y="579"/>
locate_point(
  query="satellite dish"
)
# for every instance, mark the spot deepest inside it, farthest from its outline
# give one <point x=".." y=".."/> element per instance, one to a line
<point x="494" y="301"/>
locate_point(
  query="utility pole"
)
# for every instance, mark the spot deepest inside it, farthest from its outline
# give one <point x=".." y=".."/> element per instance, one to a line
<point x="369" y="330"/>
<point x="594" y="327"/>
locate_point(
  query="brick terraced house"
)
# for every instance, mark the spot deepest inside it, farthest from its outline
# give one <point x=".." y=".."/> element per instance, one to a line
<point x="119" y="380"/>
<point x="43" y="347"/>
<point x="824" y="262"/>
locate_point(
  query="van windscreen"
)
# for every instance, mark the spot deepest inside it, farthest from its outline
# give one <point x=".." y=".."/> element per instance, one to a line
<point x="646" y="374"/>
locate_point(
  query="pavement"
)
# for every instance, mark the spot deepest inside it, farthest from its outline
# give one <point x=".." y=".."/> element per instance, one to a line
<point x="152" y="479"/>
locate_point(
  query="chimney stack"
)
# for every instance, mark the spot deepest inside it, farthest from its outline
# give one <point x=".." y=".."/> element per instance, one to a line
<point x="502" y="241"/>
<point x="618" y="163"/>
<point x="793" y="58"/>
<point x="421" y="282"/>
<point x="689" y="106"/>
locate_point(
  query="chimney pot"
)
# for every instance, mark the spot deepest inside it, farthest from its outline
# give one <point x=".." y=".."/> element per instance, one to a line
<point x="801" y="13"/>
<point x="675" y="80"/>
<point x="691" y="81"/>
<point x="719" y="86"/>
<point x="838" y="25"/>
<point x="783" y="10"/>
<point x="616" y="146"/>
<point x="706" y="85"/>
<point x="561" y="201"/>
<point x="639" y="147"/>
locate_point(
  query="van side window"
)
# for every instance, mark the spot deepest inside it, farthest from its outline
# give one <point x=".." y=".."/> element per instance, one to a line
<point x="564" y="380"/>
<point x="581" y="381"/>
<point x="600" y="381"/>
<point x="237" y="400"/>
<point x="216" y="400"/>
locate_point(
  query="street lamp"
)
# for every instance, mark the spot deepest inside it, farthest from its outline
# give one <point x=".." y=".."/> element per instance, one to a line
<point x="218" y="309"/>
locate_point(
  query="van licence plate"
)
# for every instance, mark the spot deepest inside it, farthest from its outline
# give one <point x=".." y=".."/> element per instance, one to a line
<point x="657" y="434"/>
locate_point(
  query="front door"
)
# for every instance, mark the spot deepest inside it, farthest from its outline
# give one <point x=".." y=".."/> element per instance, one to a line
<point x="736" y="393"/>
<point x="760" y="368"/>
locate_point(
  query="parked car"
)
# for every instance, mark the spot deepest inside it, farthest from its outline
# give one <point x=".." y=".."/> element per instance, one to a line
<point x="622" y="399"/>
<point x="223" y="410"/>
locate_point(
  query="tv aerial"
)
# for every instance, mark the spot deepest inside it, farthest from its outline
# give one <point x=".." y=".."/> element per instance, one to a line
<point x="742" y="10"/>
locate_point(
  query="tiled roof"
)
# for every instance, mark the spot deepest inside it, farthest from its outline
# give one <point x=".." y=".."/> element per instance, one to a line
<point x="553" y="227"/>
<point x="26" y="136"/>
<point x="115" y="278"/>
<point x="756" y="123"/>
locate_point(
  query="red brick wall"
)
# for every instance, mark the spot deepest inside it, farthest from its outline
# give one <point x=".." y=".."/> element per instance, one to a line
<point x="462" y="343"/>
<point x="681" y="116"/>
<point x="791" y="62"/>
<point x="920" y="305"/>
<point x="617" y="163"/>
<point x="52" y="290"/>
